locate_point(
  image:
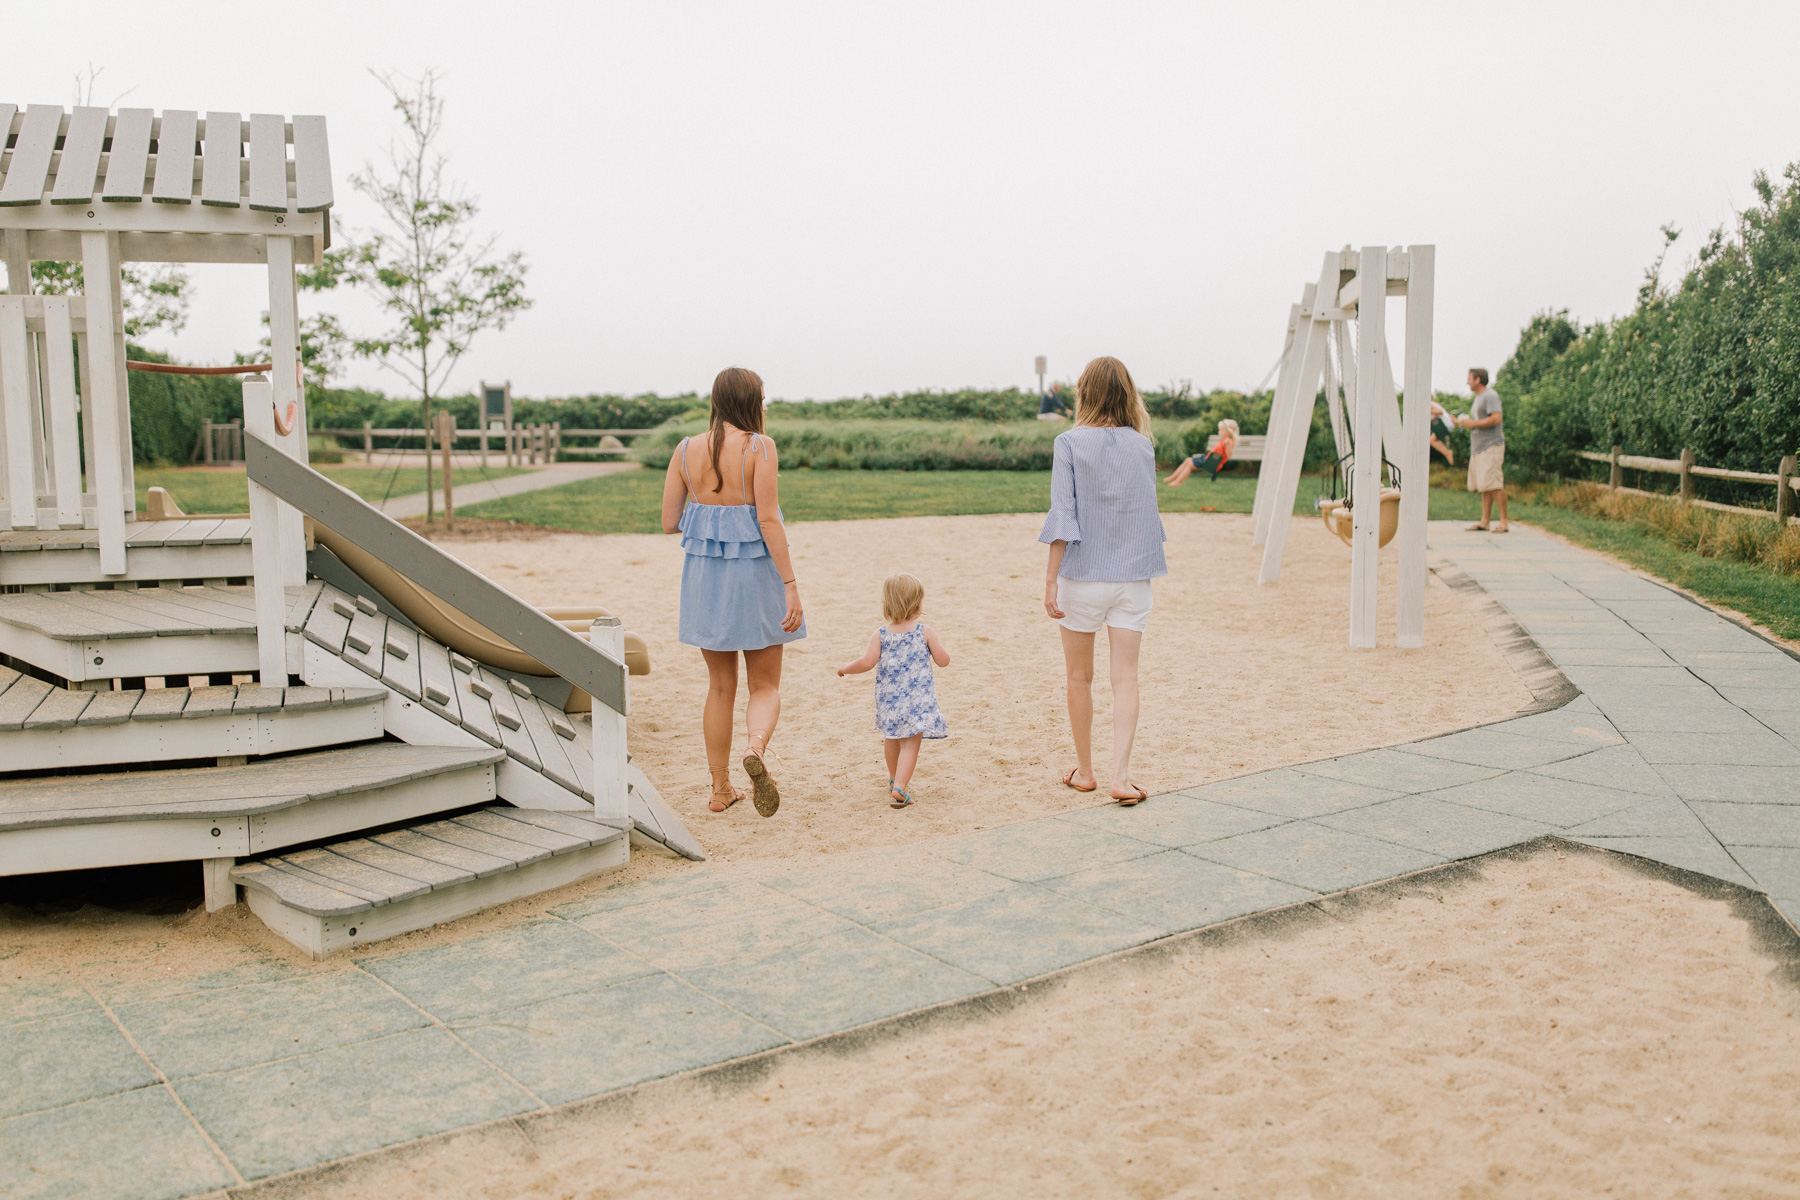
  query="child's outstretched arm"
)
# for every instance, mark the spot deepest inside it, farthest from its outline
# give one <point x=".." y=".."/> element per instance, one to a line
<point x="867" y="662"/>
<point x="939" y="655"/>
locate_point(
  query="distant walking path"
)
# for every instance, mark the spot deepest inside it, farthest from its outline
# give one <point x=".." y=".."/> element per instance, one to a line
<point x="478" y="490"/>
<point x="1661" y="730"/>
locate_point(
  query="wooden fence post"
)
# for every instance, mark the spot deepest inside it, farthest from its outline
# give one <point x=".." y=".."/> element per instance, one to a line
<point x="1617" y="478"/>
<point x="555" y="440"/>
<point x="447" y="439"/>
<point x="1784" y="489"/>
<point x="1687" y="473"/>
<point x="368" y="441"/>
<point x="206" y="442"/>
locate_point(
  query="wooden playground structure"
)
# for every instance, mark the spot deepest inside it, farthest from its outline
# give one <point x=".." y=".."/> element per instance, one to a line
<point x="1336" y="346"/>
<point x="331" y="716"/>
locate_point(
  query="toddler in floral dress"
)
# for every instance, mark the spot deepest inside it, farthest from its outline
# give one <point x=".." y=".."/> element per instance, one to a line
<point x="906" y="708"/>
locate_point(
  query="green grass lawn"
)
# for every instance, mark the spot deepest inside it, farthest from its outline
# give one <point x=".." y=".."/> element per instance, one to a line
<point x="223" y="490"/>
<point x="630" y="502"/>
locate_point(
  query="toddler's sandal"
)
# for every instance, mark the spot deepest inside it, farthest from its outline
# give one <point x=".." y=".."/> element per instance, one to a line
<point x="899" y="797"/>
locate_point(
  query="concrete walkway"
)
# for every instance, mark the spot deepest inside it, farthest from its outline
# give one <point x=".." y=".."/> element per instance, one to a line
<point x="477" y="491"/>
<point x="1682" y="747"/>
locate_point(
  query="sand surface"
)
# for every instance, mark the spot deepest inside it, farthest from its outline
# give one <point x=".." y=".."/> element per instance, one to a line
<point x="1557" y="1024"/>
<point x="1235" y="677"/>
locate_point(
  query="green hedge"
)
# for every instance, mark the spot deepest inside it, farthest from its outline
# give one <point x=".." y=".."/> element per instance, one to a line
<point x="166" y="410"/>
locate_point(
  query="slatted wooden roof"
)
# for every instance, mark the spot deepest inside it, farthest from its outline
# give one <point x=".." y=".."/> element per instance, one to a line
<point x="178" y="173"/>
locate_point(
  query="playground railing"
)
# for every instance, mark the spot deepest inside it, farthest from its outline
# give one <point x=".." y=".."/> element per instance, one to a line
<point x="1784" y="479"/>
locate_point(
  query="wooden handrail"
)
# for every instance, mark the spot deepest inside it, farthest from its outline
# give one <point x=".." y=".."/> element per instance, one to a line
<point x="132" y="364"/>
<point x="580" y="662"/>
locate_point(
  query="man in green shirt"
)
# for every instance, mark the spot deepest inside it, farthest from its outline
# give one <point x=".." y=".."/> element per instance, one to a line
<point x="1487" y="449"/>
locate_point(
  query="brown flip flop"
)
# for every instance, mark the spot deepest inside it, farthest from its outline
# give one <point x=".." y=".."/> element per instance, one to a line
<point x="1128" y="801"/>
<point x="1069" y="781"/>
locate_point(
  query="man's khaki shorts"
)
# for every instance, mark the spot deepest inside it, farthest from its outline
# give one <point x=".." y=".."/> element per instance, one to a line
<point x="1486" y="470"/>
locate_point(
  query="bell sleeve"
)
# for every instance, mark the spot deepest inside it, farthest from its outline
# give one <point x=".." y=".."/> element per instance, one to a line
<point x="1061" y="524"/>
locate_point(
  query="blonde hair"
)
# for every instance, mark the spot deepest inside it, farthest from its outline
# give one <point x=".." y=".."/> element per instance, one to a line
<point x="1228" y="426"/>
<point x="1106" y="396"/>
<point x="902" y="596"/>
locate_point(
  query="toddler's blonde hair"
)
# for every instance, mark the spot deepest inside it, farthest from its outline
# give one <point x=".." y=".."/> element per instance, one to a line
<point x="902" y="596"/>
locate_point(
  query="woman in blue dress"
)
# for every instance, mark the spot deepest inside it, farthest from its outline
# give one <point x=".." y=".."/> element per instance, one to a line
<point x="738" y="591"/>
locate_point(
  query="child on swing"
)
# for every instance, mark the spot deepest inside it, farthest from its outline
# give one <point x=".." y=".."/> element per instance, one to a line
<point x="1216" y="457"/>
<point x="906" y="708"/>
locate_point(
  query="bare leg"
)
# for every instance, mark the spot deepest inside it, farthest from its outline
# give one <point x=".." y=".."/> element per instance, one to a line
<point x="761" y="714"/>
<point x="1500" y="501"/>
<point x="721" y="703"/>
<point x="906" y="758"/>
<point x="1123" y="647"/>
<point x="891" y="748"/>
<point x="1078" y="658"/>
<point x="1181" y="473"/>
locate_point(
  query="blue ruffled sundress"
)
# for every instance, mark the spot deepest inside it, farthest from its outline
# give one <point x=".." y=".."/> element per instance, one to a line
<point x="905" y="691"/>
<point x="732" y="597"/>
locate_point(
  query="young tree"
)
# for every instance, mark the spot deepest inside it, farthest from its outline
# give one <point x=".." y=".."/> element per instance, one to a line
<point x="437" y="281"/>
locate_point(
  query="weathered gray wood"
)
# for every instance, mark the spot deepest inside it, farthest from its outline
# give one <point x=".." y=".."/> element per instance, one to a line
<point x="128" y="162"/>
<point x="300" y="699"/>
<point x="365" y="644"/>
<point x="160" y="704"/>
<point x="209" y="702"/>
<point x="552" y="756"/>
<point x="498" y="824"/>
<point x="437" y="682"/>
<point x="571" y="823"/>
<point x="8" y="677"/>
<point x="516" y="853"/>
<point x="254" y="698"/>
<point x="506" y="715"/>
<point x="327" y="626"/>
<point x="301" y="601"/>
<point x="21" y="700"/>
<point x="175" y="138"/>
<point x="400" y="665"/>
<point x="127" y="618"/>
<point x="268" y="163"/>
<point x="151" y="533"/>
<point x="193" y="533"/>
<point x="39" y="612"/>
<point x="478" y="863"/>
<point x="359" y="879"/>
<point x="110" y="708"/>
<point x="232" y="531"/>
<point x="579" y="661"/>
<point x="298" y="891"/>
<point x="79" y="169"/>
<point x="427" y="871"/>
<point x="28" y="175"/>
<point x="312" y="165"/>
<point x="60" y="710"/>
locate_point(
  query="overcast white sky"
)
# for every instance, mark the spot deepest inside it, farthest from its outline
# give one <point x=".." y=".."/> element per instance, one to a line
<point x="861" y="198"/>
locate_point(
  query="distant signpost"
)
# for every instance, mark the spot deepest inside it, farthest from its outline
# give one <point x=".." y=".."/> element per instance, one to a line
<point x="1041" y="364"/>
<point x="496" y="417"/>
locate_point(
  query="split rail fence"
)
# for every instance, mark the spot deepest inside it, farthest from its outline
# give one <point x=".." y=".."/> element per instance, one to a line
<point x="1784" y="479"/>
<point x="522" y="445"/>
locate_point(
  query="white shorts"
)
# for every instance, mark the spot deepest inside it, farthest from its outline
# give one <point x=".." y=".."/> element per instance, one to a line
<point x="1088" y="604"/>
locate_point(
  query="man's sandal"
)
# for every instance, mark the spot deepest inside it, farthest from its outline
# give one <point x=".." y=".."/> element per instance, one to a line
<point x="1069" y="781"/>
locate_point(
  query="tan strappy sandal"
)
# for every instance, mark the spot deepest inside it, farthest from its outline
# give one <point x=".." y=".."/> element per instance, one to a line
<point x="722" y="800"/>
<point x="764" y="794"/>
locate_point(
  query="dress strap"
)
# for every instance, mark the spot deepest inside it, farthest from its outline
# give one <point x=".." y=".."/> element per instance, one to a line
<point x="681" y="452"/>
<point x="757" y="443"/>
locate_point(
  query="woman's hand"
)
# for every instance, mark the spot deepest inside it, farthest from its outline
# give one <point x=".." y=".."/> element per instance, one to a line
<point x="795" y="615"/>
<point x="1050" y="600"/>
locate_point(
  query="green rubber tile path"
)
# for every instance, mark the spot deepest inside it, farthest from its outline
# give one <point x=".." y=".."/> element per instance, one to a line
<point x="1663" y="731"/>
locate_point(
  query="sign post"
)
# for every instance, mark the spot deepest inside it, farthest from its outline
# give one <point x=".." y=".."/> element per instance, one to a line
<point x="496" y="417"/>
<point x="1041" y="364"/>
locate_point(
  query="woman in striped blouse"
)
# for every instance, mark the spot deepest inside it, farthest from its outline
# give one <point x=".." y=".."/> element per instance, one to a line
<point x="1106" y="545"/>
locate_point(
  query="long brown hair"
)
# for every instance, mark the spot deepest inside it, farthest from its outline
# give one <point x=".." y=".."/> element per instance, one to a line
<point x="1106" y="396"/>
<point x="737" y="399"/>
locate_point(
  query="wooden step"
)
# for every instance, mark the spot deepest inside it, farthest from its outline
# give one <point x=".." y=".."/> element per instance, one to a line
<point x="354" y="892"/>
<point x="195" y="548"/>
<point x="66" y="822"/>
<point x="120" y="632"/>
<point x="43" y="727"/>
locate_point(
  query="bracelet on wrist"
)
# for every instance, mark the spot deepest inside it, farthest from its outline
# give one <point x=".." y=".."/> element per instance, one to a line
<point x="790" y="582"/>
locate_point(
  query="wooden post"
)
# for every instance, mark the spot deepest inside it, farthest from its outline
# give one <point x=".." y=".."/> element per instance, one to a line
<point x="447" y="439"/>
<point x="1290" y="454"/>
<point x="1371" y="363"/>
<point x="284" y="378"/>
<point x="220" y="891"/>
<point x="1409" y="626"/>
<point x="430" y="489"/>
<point x="266" y="536"/>
<point x="368" y="441"/>
<point x="206" y="443"/>
<point x="555" y="440"/>
<point x="1687" y="473"/>
<point x="1293" y="348"/>
<point x="1616" y="477"/>
<point x="1784" y="489"/>
<point x="108" y="400"/>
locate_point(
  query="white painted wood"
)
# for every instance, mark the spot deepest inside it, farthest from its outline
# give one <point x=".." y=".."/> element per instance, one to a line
<point x="146" y="563"/>
<point x="221" y="177"/>
<point x="611" y="798"/>
<point x="169" y="219"/>
<point x="1278" y="404"/>
<point x="335" y="816"/>
<point x="117" y="844"/>
<point x="90" y="452"/>
<point x="28" y="176"/>
<point x="221" y="891"/>
<point x="16" y="369"/>
<point x="1415" y="466"/>
<point x="176" y="134"/>
<point x="1289" y="456"/>
<point x="312" y="165"/>
<point x="63" y="408"/>
<point x="78" y="168"/>
<point x="268" y="534"/>
<point x="323" y="936"/>
<point x="128" y="162"/>
<point x="109" y="472"/>
<point x="249" y="733"/>
<point x="1365" y="534"/>
<point x="284" y="376"/>
<point x="268" y="163"/>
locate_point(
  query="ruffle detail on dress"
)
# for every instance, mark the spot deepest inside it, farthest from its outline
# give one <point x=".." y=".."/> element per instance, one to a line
<point x="1060" y="525"/>
<point x="722" y="531"/>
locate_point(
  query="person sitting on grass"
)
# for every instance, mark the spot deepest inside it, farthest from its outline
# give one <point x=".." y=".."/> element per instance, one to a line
<point x="1216" y="456"/>
<point x="1051" y="406"/>
<point x="906" y="707"/>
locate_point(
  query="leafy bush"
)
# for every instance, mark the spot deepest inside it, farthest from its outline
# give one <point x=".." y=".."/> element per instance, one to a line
<point x="166" y="410"/>
<point x="887" y="445"/>
<point x="1707" y="531"/>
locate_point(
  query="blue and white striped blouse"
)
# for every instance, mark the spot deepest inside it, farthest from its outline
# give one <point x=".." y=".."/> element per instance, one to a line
<point x="1103" y="503"/>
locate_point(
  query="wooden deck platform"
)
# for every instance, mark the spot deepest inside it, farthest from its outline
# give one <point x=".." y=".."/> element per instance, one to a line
<point x="114" y="632"/>
<point x="361" y="890"/>
<point x="73" y="821"/>
<point x="197" y="548"/>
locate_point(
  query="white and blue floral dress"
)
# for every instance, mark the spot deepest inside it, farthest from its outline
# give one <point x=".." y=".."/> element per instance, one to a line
<point x="905" y="692"/>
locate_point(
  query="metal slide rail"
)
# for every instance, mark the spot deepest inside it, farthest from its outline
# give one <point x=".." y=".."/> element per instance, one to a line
<point x="582" y="663"/>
